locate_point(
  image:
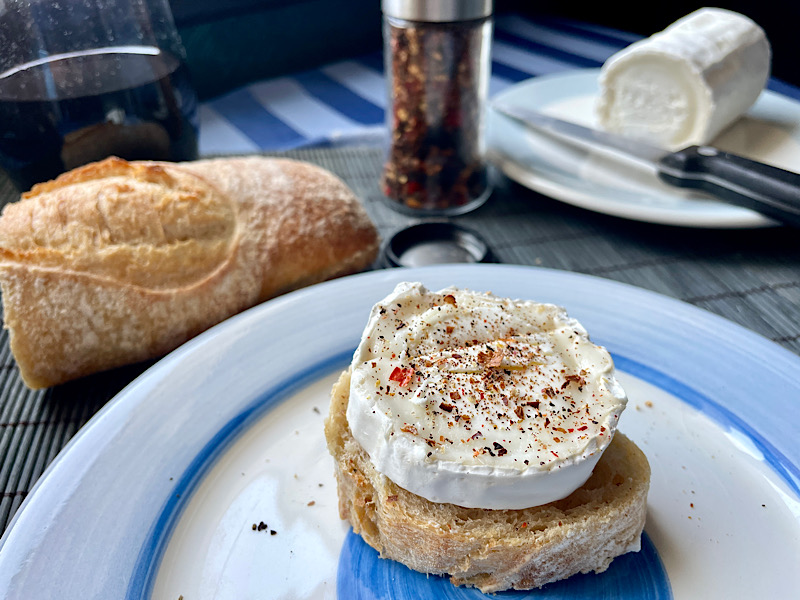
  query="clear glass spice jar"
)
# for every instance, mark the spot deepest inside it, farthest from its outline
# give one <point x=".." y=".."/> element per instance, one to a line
<point x="437" y="55"/>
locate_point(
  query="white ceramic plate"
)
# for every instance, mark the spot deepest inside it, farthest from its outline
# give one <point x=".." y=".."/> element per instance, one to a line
<point x="769" y="132"/>
<point x="158" y="495"/>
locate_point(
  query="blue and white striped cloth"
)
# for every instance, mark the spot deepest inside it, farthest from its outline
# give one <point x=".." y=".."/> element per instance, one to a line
<point x="344" y="102"/>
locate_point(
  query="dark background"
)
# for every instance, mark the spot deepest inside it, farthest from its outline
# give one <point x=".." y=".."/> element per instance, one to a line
<point x="230" y="43"/>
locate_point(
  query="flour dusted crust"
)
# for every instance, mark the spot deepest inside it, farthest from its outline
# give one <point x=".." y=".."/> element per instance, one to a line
<point x="492" y="550"/>
<point x="118" y="262"/>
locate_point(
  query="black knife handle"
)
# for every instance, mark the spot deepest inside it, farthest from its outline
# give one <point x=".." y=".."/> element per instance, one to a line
<point x="737" y="180"/>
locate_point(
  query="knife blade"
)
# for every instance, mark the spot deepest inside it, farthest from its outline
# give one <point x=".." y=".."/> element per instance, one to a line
<point x="735" y="179"/>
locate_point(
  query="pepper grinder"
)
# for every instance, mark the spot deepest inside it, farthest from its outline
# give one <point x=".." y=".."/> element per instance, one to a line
<point x="437" y="55"/>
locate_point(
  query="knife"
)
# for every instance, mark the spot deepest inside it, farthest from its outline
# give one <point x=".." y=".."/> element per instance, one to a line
<point x="763" y="188"/>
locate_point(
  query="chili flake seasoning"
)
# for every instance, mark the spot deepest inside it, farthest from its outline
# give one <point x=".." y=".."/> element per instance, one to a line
<point x="437" y="59"/>
<point x="402" y="376"/>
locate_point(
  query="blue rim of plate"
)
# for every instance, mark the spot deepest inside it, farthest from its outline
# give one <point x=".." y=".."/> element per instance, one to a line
<point x="146" y="569"/>
<point x="621" y="326"/>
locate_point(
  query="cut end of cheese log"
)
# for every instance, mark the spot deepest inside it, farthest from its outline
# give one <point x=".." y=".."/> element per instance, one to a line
<point x="686" y="84"/>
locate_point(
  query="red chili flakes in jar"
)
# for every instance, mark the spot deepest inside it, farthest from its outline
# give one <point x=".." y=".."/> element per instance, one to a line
<point x="438" y="76"/>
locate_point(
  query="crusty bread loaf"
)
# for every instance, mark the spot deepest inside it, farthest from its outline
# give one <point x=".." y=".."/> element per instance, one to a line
<point x="118" y="262"/>
<point x="492" y="550"/>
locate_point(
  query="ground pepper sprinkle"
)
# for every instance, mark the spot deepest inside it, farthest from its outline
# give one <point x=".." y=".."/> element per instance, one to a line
<point x="483" y="381"/>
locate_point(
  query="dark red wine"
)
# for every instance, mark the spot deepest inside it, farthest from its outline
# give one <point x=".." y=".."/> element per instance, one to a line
<point x="68" y="110"/>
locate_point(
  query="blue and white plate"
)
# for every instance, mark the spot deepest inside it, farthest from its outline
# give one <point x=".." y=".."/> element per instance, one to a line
<point x="769" y="132"/>
<point x="175" y="488"/>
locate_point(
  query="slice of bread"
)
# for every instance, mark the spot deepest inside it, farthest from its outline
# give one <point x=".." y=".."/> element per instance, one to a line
<point x="492" y="550"/>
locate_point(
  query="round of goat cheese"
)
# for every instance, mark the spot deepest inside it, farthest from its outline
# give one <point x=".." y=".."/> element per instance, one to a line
<point x="481" y="401"/>
<point x="684" y="85"/>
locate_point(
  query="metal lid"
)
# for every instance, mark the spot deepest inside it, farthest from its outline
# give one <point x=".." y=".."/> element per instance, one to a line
<point x="434" y="243"/>
<point x="438" y="11"/>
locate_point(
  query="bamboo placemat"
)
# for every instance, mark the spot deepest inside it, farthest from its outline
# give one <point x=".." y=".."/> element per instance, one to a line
<point x="751" y="277"/>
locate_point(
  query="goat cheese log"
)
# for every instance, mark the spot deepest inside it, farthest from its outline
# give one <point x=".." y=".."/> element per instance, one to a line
<point x="684" y="85"/>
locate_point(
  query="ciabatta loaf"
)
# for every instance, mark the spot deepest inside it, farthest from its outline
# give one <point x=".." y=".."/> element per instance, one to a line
<point x="492" y="550"/>
<point x="118" y="262"/>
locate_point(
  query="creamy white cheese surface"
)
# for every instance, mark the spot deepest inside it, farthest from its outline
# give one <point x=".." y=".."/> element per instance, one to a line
<point x="481" y="401"/>
<point x="684" y="85"/>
